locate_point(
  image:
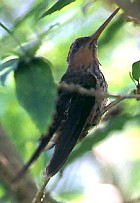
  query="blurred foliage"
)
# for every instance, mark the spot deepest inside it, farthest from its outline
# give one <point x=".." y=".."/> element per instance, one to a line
<point x="116" y="124"/>
<point x="57" y="6"/>
<point x="36" y="78"/>
<point x="136" y="71"/>
<point x="50" y="37"/>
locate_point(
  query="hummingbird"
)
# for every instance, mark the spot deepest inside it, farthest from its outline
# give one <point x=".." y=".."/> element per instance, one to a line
<point x="75" y="114"/>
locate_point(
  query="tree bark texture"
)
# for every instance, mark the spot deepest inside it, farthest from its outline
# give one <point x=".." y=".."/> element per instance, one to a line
<point x="23" y="190"/>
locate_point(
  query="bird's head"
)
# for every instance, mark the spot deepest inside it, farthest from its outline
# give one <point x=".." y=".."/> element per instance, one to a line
<point x="83" y="51"/>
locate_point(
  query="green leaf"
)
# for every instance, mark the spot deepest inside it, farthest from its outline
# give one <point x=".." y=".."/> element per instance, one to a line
<point x="7" y="67"/>
<point x="36" y="90"/>
<point x="57" y="6"/>
<point x="4" y="76"/>
<point x="136" y="70"/>
<point x="11" y="63"/>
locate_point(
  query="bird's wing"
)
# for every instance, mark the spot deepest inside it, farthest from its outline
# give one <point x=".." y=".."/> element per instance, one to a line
<point x="61" y="108"/>
<point x="79" y="111"/>
<point x="72" y="110"/>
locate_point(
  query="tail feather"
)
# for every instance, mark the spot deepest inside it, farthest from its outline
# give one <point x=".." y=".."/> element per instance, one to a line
<point x="61" y="107"/>
<point x="80" y="109"/>
<point x="41" y="146"/>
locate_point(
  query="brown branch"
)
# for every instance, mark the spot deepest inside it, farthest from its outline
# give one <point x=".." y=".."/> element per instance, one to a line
<point x="137" y="200"/>
<point x="111" y="105"/>
<point x="24" y="190"/>
<point x="39" y="195"/>
<point x="131" y="8"/>
<point x="92" y="92"/>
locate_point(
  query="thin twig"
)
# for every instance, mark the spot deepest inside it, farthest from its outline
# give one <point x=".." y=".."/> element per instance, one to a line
<point x="39" y="195"/>
<point x="10" y="163"/>
<point x="92" y="92"/>
<point x="107" y="108"/>
<point x="112" y="104"/>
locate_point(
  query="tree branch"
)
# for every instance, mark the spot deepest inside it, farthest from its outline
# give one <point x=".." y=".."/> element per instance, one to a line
<point x="131" y="8"/>
<point x="92" y="92"/>
<point x="39" y="195"/>
<point x="24" y="190"/>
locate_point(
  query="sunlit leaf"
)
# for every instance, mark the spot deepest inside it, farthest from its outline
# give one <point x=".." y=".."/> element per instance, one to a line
<point x="36" y="90"/>
<point x="4" y="76"/>
<point x="10" y="63"/>
<point x="57" y="6"/>
<point x="7" y="67"/>
<point x="136" y="70"/>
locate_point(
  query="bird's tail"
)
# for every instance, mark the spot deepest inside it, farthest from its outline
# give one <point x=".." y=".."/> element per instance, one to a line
<point x="80" y="109"/>
<point x="44" y="140"/>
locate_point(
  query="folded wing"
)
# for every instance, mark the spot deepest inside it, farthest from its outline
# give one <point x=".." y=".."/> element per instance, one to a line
<point x="79" y="110"/>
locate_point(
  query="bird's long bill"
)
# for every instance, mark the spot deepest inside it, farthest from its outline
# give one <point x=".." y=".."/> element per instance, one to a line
<point x="97" y="34"/>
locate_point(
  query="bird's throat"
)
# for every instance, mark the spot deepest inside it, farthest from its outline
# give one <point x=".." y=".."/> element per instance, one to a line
<point x="83" y="58"/>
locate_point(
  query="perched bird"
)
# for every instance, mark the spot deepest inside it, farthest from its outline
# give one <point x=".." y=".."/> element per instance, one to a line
<point x="75" y="113"/>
